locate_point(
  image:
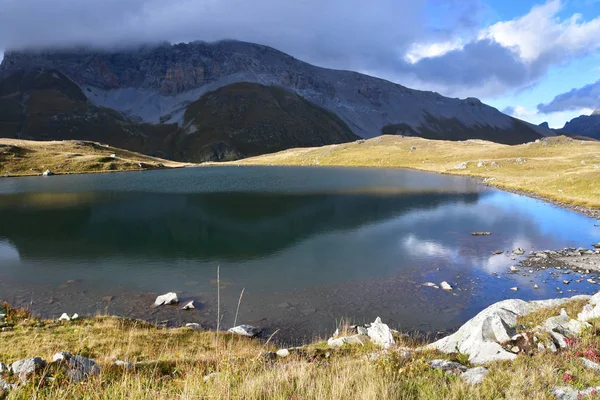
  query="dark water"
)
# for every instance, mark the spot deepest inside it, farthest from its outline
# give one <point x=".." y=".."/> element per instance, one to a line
<point x="309" y="245"/>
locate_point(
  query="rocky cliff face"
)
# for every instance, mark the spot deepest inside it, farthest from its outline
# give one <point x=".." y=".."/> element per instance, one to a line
<point x="156" y="84"/>
<point x="584" y="125"/>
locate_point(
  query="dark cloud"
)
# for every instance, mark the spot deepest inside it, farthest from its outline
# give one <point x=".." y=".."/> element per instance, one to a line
<point x="585" y="97"/>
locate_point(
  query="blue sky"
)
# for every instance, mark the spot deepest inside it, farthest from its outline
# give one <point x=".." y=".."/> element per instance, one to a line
<point x="538" y="60"/>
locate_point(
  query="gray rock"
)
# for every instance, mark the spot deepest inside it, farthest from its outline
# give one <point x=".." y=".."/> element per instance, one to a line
<point x="381" y="334"/>
<point x="590" y="364"/>
<point x="283" y="353"/>
<point x="558" y="339"/>
<point x="361" y="330"/>
<point x="518" y="252"/>
<point x="3" y="368"/>
<point x="474" y="376"/>
<point x="246" y="330"/>
<point x="448" y="366"/>
<point x="27" y="367"/>
<point x="189" y="306"/>
<point x="4" y="386"/>
<point x="564" y="325"/>
<point x="124" y="364"/>
<point x="569" y="393"/>
<point x="78" y="367"/>
<point x="166" y="299"/>
<point x="589" y="312"/>
<point x="339" y="342"/>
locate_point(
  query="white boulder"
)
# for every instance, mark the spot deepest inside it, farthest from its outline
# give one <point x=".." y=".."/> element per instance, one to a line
<point x="189" y="306"/>
<point x="446" y="286"/>
<point x="64" y="317"/>
<point x="245" y="330"/>
<point x="166" y="299"/>
<point x="474" y="376"/>
<point x="381" y="334"/>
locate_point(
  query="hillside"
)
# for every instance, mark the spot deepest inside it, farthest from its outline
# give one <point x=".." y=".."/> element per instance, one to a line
<point x="561" y="169"/>
<point x="157" y="83"/>
<point x="584" y="125"/>
<point x="23" y="157"/>
<point x="236" y="121"/>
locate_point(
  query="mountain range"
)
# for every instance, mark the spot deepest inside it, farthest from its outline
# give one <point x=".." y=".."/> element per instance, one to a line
<point x="584" y="125"/>
<point x="224" y="100"/>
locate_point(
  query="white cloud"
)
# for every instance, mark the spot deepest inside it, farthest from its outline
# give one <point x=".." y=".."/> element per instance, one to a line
<point x="555" y="120"/>
<point x="418" y="51"/>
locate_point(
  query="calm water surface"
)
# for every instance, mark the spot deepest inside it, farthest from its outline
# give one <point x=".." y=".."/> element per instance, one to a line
<point x="309" y="245"/>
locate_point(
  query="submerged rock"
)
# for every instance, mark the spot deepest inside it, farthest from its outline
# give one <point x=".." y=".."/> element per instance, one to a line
<point x="189" y="306"/>
<point x="446" y="286"/>
<point x="166" y="299"/>
<point x="481" y="233"/>
<point x="246" y="330"/>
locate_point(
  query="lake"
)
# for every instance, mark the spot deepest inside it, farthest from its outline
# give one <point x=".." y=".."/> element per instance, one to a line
<point x="309" y="246"/>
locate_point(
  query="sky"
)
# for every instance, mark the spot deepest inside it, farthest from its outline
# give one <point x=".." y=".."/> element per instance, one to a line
<point x="538" y="60"/>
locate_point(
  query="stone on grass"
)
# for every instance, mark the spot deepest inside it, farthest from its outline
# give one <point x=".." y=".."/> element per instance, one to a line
<point x="78" y="367"/>
<point x="283" y="353"/>
<point x="339" y="342"/>
<point x="590" y="364"/>
<point x="124" y="364"/>
<point x="569" y="393"/>
<point x="27" y="367"/>
<point x="166" y="299"/>
<point x="210" y="377"/>
<point x="380" y="334"/>
<point x="3" y="368"/>
<point x="194" y="326"/>
<point x="74" y="317"/>
<point x="474" y="376"/>
<point x="589" y="312"/>
<point x="64" y="317"/>
<point x="450" y="367"/>
<point x="245" y="330"/>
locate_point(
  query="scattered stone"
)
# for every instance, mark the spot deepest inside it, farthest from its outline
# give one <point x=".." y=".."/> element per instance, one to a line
<point x="361" y="330"/>
<point x="514" y="269"/>
<point x="589" y="312"/>
<point x="124" y="364"/>
<point x="514" y="289"/>
<point x="74" y="317"/>
<point x="166" y="299"/>
<point x="569" y="393"/>
<point x="189" y="306"/>
<point x="536" y="286"/>
<point x="380" y="334"/>
<point x="429" y="284"/>
<point x="3" y="368"/>
<point x="515" y="349"/>
<point x="474" y="376"/>
<point x="64" y="317"/>
<point x="481" y="233"/>
<point x="518" y="252"/>
<point x="446" y="286"/>
<point x="590" y="364"/>
<point x="210" y="377"/>
<point x="283" y="353"/>
<point x="480" y="164"/>
<point x="48" y="173"/>
<point x="26" y="368"/>
<point x="461" y="166"/>
<point x="448" y="367"/>
<point x="246" y="330"/>
<point x="193" y="326"/>
<point x="78" y="367"/>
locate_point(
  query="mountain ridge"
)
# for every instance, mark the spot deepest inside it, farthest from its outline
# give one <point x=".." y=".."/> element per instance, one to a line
<point x="155" y="83"/>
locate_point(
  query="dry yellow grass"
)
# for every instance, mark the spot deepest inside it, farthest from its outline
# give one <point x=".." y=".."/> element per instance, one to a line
<point x="24" y="157"/>
<point x="176" y="362"/>
<point x="560" y="169"/>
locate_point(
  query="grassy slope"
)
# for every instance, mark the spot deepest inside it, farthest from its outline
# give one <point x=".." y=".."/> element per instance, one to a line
<point x="23" y="157"/>
<point x="553" y="168"/>
<point x="177" y="360"/>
